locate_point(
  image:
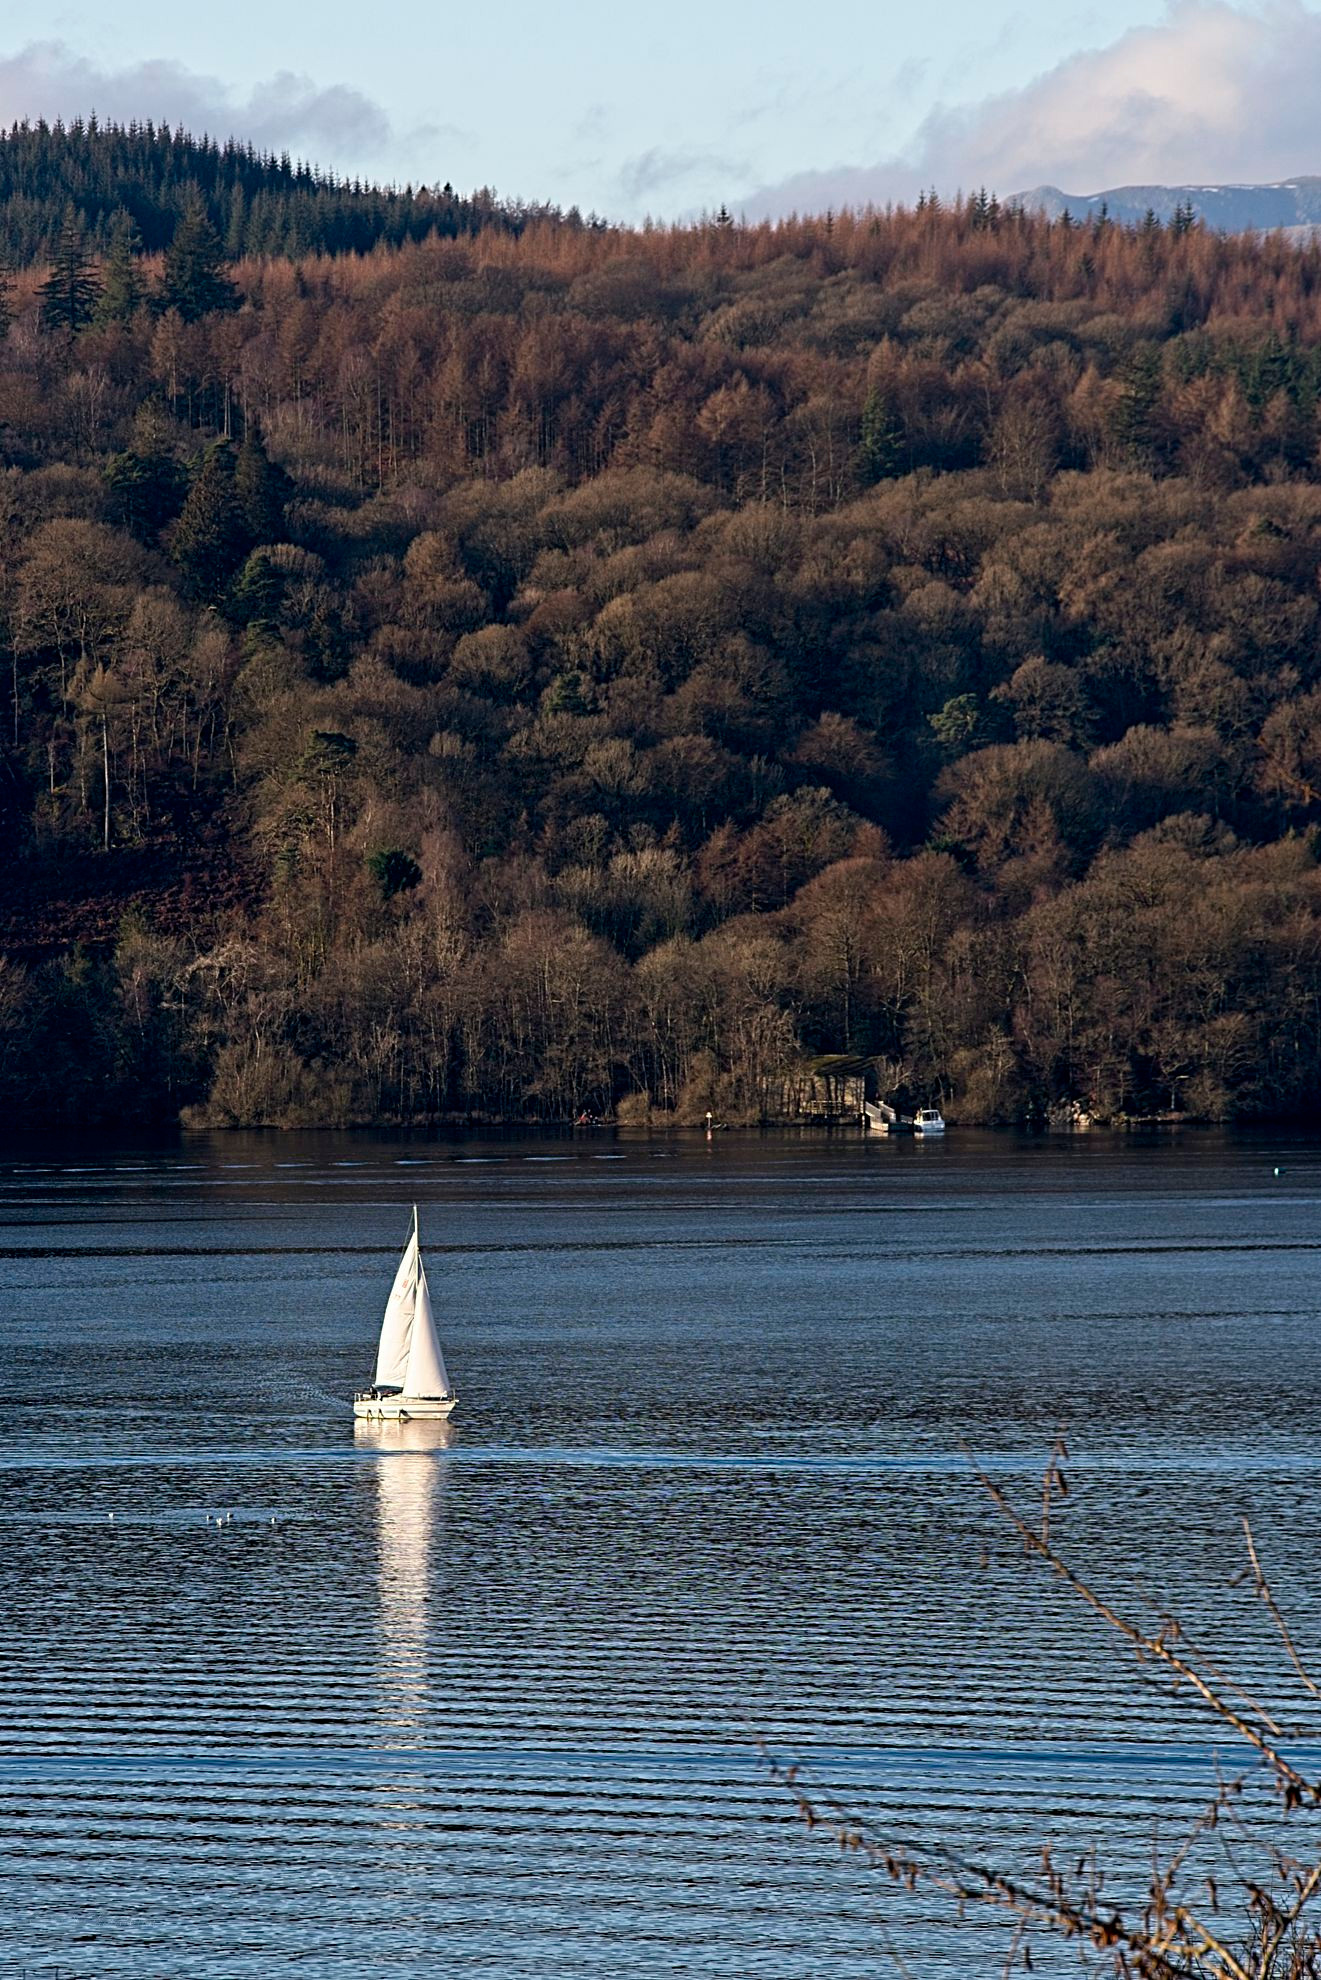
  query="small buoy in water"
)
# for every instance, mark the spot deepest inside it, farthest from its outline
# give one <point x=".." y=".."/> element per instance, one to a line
<point x="110" y="1515"/>
<point x="1278" y="1170"/>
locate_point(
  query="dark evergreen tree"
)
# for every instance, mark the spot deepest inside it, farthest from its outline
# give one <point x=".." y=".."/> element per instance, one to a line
<point x="211" y="537"/>
<point x="106" y="169"/>
<point x="394" y="871"/>
<point x="263" y="488"/>
<point x="880" y="447"/>
<point x="236" y="221"/>
<point x="257" y="593"/>
<point x="125" y="286"/>
<point x="70" y="293"/>
<point x="147" y="490"/>
<point x="1135" y="414"/>
<point x="194" y="282"/>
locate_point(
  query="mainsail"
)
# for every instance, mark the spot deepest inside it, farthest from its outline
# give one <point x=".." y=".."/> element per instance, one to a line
<point x="409" y="1356"/>
<point x="425" y="1375"/>
<point x="397" y="1327"/>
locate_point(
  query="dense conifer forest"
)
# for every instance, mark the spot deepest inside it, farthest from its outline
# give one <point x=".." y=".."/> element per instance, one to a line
<point x="140" y="180"/>
<point x="536" y="668"/>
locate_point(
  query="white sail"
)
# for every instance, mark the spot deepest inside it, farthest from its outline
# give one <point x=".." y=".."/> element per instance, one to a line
<point x="397" y="1327"/>
<point x="425" y="1374"/>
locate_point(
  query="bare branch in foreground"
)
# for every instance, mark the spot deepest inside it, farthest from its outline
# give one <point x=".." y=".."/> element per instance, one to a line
<point x="1245" y="1923"/>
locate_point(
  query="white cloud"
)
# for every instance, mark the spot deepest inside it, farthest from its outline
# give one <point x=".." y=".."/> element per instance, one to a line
<point x="662" y="167"/>
<point x="285" y="112"/>
<point x="1211" y="93"/>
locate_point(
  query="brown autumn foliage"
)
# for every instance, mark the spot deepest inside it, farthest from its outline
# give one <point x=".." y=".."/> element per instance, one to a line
<point x="522" y="673"/>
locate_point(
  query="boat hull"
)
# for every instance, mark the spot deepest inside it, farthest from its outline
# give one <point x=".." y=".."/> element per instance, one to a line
<point x="402" y="1409"/>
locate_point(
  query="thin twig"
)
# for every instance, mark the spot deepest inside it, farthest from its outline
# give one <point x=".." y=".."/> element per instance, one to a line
<point x="1007" y="1969"/>
<point x="1150" y="1646"/>
<point x="1290" y="1918"/>
<point x="1173" y="1940"/>
<point x="1264" y="1590"/>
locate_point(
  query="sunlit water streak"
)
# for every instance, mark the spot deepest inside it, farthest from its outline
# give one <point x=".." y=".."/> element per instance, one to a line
<point x="502" y="1699"/>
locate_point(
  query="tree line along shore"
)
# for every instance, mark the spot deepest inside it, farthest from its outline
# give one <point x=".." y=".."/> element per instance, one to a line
<point x="542" y="668"/>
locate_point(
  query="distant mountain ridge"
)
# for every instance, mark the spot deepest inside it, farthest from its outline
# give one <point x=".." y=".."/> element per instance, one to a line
<point x="1290" y="205"/>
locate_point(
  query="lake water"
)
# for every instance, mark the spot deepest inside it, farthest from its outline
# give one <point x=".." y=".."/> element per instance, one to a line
<point x="501" y="1705"/>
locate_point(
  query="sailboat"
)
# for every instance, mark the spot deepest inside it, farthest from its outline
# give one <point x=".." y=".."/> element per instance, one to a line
<point x="410" y="1379"/>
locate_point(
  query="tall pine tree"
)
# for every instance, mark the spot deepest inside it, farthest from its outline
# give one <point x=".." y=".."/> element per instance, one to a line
<point x="263" y="488"/>
<point x="147" y="483"/>
<point x="881" y="442"/>
<point x="70" y="293"/>
<point x="211" y="537"/>
<point x="1135" y="415"/>
<point x="125" y="287"/>
<point x="194" y="261"/>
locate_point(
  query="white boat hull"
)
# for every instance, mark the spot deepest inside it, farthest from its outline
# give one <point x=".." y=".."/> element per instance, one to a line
<point x="402" y="1409"/>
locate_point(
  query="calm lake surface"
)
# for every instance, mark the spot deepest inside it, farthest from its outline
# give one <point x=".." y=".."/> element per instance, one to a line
<point x="499" y="1705"/>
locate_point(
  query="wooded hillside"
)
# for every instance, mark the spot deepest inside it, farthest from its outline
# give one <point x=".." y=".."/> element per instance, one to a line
<point x="143" y="178"/>
<point x="558" y="668"/>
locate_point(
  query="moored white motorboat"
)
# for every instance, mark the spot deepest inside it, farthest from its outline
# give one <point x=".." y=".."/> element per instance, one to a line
<point x="410" y="1380"/>
<point x="928" y="1120"/>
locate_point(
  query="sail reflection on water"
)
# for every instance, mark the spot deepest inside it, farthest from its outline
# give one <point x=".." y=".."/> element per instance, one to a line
<point x="410" y="1483"/>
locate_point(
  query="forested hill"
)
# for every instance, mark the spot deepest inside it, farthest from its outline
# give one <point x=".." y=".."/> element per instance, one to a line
<point x="149" y="176"/>
<point x="569" y="669"/>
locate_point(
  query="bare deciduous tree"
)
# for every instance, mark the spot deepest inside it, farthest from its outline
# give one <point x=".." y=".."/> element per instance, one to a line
<point x="1238" y="1898"/>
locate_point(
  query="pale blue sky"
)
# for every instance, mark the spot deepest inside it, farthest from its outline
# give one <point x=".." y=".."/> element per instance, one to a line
<point x="763" y="106"/>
